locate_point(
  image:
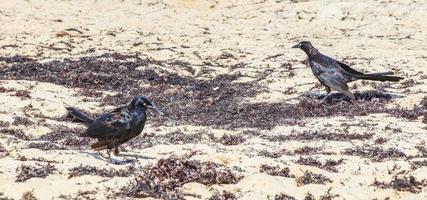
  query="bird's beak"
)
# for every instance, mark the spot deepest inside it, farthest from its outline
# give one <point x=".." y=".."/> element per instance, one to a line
<point x="296" y="46"/>
<point x="153" y="106"/>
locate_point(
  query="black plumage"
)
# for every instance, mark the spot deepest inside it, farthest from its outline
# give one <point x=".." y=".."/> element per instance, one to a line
<point x="334" y="74"/>
<point x="116" y="127"/>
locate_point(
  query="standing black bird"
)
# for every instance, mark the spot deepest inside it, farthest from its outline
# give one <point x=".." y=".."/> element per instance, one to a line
<point x="334" y="74"/>
<point x="116" y="127"/>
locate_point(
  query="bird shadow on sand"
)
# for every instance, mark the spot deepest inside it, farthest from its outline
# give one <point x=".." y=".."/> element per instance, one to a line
<point x="95" y="155"/>
<point x="136" y="156"/>
<point x="369" y="95"/>
<point x="125" y="160"/>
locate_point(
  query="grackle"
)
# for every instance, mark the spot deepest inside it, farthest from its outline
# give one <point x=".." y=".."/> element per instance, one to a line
<point x="334" y="74"/>
<point x="116" y="127"/>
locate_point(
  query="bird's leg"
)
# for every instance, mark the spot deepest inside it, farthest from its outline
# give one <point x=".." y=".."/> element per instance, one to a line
<point x="109" y="155"/>
<point x="98" y="149"/>
<point x="323" y="100"/>
<point x="328" y="92"/>
<point x="116" y="153"/>
<point x="350" y="95"/>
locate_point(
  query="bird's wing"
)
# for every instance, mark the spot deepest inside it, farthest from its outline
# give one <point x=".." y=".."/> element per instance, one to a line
<point x="330" y="74"/>
<point x="347" y="68"/>
<point x="109" y="125"/>
<point x="335" y="82"/>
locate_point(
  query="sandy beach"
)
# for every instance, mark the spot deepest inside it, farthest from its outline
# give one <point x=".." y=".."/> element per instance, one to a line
<point x="242" y="113"/>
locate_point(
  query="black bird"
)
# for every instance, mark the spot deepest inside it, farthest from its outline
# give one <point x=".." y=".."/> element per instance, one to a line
<point x="116" y="127"/>
<point x="334" y="74"/>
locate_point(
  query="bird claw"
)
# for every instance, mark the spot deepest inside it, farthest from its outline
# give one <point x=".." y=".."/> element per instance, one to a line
<point x="324" y="99"/>
<point x="119" y="162"/>
<point x="127" y="159"/>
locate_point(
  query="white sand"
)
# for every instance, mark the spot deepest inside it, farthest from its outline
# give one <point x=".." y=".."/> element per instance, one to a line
<point x="374" y="35"/>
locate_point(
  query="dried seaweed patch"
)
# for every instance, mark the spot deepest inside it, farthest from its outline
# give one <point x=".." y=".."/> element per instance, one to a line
<point x="206" y="102"/>
<point x="64" y="136"/>
<point x="4" y="124"/>
<point x="276" y="171"/>
<point x="28" y="196"/>
<point x="283" y="196"/>
<point x="328" y="165"/>
<point x="26" y="172"/>
<point x="319" y="135"/>
<point x="16" y="59"/>
<point x="405" y="184"/>
<point x="306" y="150"/>
<point x="25" y="121"/>
<point x="24" y="94"/>
<point x="380" y="140"/>
<point x="46" y="146"/>
<point x="328" y="195"/>
<point x="272" y="154"/>
<point x="86" y="195"/>
<point x="89" y="170"/>
<point x="312" y="178"/>
<point x="178" y="137"/>
<point x="228" y="139"/>
<point x="364" y="96"/>
<point x="3" y="151"/>
<point x="18" y="133"/>
<point x="162" y="179"/>
<point x="422" y="149"/>
<point x="174" y="137"/>
<point x="309" y="196"/>
<point x="124" y="73"/>
<point x="38" y="159"/>
<point x="224" y="195"/>
<point x="375" y="153"/>
<point x="418" y="164"/>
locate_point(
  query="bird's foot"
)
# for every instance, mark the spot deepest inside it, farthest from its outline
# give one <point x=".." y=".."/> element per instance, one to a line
<point x="350" y="96"/>
<point x="102" y="155"/>
<point x="116" y="161"/>
<point x="324" y="99"/>
<point x="127" y="158"/>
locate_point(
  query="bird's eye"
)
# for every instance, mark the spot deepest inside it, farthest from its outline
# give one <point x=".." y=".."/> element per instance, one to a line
<point x="145" y="104"/>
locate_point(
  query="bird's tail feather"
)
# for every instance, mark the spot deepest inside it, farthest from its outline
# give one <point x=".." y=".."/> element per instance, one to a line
<point x="378" y="77"/>
<point x="381" y="73"/>
<point x="79" y="115"/>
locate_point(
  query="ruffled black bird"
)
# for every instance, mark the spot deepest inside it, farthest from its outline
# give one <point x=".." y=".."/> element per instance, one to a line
<point x="116" y="127"/>
<point x="334" y="74"/>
